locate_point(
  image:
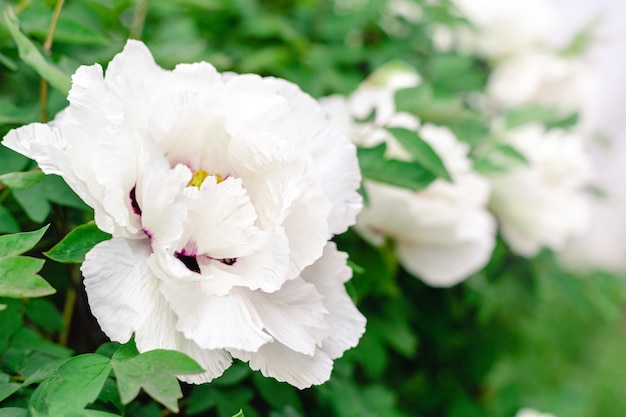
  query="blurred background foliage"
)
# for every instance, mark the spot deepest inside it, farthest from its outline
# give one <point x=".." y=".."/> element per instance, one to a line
<point x="520" y="333"/>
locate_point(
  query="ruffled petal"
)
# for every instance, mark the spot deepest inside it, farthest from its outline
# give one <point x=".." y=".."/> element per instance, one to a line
<point x="278" y="361"/>
<point x="228" y="322"/>
<point x="346" y="323"/>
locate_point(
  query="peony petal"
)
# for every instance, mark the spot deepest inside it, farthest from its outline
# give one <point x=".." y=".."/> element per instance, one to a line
<point x="346" y="323"/>
<point x="228" y="322"/>
<point x="294" y="315"/>
<point x="277" y="361"/>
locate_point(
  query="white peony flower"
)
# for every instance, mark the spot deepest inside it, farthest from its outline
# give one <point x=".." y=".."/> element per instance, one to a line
<point x="543" y="203"/>
<point x="529" y="412"/>
<point x="443" y="233"/>
<point x="541" y="77"/>
<point x="503" y="27"/>
<point x="221" y="193"/>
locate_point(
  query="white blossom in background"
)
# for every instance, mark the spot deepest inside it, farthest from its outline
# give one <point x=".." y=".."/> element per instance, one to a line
<point x="542" y="203"/>
<point x="541" y="77"/>
<point x="442" y="234"/>
<point x="221" y="193"/>
<point x="529" y="412"/>
<point x="502" y="27"/>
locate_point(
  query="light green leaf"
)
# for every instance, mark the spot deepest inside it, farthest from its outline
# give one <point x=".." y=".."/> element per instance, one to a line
<point x="155" y="371"/>
<point x="375" y="166"/>
<point x="7" y="389"/>
<point x="13" y="412"/>
<point x="18" y="243"/>
<point x="20" y="180"/>
<point x="31" y="56"/>
<point x="81" y="380"/>
<point x="19" y="279"/>
<point x="421" y="151"/>
<point x="239" y="414"/>
<point x="74" y="246"/>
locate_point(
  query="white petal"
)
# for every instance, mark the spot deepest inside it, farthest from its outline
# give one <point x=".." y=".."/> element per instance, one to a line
<point x="222" y="220"/>
<point x="294" y="315"/>
<point x="119" y="285"/>
<point x="277" y="361"/>
<point x="346" y="323"/>
<point x="228" y="322"/>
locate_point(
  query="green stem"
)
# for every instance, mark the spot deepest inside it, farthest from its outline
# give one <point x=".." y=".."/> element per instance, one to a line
<point x="139" y="19"/>
<point x="47" y="46"/>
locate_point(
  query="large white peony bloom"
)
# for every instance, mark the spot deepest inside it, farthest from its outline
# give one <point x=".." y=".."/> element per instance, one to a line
<point x="443" y="233"/>
<point x="221" y="193"/>
<point x="535" y="77"/>
<point x="542" y="203"/>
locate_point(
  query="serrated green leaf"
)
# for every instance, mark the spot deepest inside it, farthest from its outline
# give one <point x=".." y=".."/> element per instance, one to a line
<point x="45" y="314"/>
<point x="376" y="167"/>
<point x="74" y="246"/>
<point x="421" y="151"/>
<point x="155" y="371"/>
<point x="20" y="180"/>
<point x="18" y="243"/>
<point x="19" y="279"/>
<point x="31" y="56"/>
<point x="81" y="380"/>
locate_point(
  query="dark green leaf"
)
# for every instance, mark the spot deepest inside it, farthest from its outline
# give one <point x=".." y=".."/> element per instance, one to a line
<point x="19" y="279"/>
<point x="376" y="167"/>
<point x="45" y="314"/>
<point x="31" y="56"/>
<point x="8" y="224"/>
<point x="74" y="246"/>
<point x="421" y="151"/>
<point x="16" y="244"/>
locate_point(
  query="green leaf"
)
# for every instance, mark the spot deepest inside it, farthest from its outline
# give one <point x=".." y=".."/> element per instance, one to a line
<point x="239" y="414"/>
<point x="19" y="278"/>
<point x="375" y="166"/>
<point x="13" y="412"/>
<point x="20" y="180"/>
<point x="31" y="56"/>
<point x="74" y="246"/>
<point x="421" y="151"/>
<point x="155" y="371"/>
<point x="7" y="389"/>
<point x="12" y="114"/>
<point x="8" y="224"/>
<point x="81" y="380"/>
<point x="18" y="243"/>
<point x="45" y="314"/>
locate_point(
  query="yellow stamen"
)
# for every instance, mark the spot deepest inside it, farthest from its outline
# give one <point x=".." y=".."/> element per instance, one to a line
<point x="199" y="176"/>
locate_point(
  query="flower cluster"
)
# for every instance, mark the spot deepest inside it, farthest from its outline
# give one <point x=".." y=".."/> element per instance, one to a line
<point x="221" y="192"/>
<point x="445" y="232"/>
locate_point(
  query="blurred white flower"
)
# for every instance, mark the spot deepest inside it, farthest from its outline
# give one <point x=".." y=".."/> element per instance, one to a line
<point x="541" y="77"/>
<point x="502" y="27"/>
<point x="529" y="412"/>
<point x="542" y="203"/>
<point x="221" y="193"/>
<point x="443" y="233"/>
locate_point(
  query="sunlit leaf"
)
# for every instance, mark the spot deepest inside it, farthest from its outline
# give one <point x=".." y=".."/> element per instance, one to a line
<point x="18" y="243"/>
<point x="19" y="180"/>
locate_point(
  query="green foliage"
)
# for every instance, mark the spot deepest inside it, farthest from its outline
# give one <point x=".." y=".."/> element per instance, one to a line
<point x="74" y="246"/>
